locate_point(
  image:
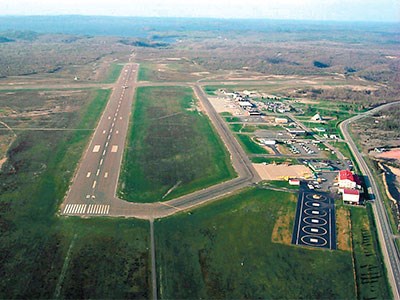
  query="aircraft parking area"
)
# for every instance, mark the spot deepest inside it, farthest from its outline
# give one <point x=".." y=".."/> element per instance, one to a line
<point x="315" y="220"/>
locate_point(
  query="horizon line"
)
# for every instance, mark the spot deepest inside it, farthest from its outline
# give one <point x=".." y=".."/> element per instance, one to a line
<point x="204" y="18"/>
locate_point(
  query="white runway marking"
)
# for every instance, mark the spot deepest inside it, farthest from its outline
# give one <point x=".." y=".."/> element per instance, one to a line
<point x="94" y="184"/>
<point x="120" y="118"/>
<point x="104" y="152"/>
<point x="115" y="119"/>
<point x="116" y="114"/>
<point x="105" y="174"/>
<point x="88" y="174"/>
<point x="101" y="162"/>
<point x="109" y="117"/>
<point x="98" y="172"/>
<point x="114" y="149"/>
<point x="75" y="209"/>
<point x="106" y="144"/>
<point x="104" y="132"/>
<point x="87" y="196"/>
<point x="111" y="130"/>
<point x="113" y="124"/>
<point x="96" y="148"/>
<point x="117" y="132"/>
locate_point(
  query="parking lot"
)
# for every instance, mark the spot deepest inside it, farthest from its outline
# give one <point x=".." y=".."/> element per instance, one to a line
<point x="315" y="220"/>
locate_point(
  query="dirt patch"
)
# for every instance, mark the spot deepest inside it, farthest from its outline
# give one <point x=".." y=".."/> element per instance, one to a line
<point x="2" y="162"/>
<point x="306" y="101"/>
<point x="225" y="105"/>
<point x="394" y="154"/>
<point x="281" y="172"/>
<point x="343" y="229"/>
<point x="269" y="149"/>
<point x="282" y="232"/>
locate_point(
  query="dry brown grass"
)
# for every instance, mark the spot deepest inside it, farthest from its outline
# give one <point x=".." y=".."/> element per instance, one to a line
<point x="343" y="228"/>
<point x="282" y="233"/>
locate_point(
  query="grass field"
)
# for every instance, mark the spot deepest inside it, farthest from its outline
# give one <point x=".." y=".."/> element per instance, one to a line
<point x="225" y="251"/>
<point x="343" y="148"/>
<point x="249" y="145"/>
<point x="42" y="256"/>
<point x="172" y="148"/>
<point x="145" y="72"/>
<point x="371" y="274"/>
<point x="113" y="73"/>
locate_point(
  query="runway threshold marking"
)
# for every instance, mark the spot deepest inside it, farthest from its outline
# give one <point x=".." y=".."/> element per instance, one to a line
<point x="98" y="209"/>
<point x="75" y="209"/>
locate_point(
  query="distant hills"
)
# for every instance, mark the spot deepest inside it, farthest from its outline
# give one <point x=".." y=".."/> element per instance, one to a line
<point x="145" y="27"/>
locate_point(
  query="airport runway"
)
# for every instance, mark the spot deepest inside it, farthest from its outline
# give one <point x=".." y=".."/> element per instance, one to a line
<point x="93" y="189"/>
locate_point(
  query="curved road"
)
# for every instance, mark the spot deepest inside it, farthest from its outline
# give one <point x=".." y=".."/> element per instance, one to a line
<point x="389" y="250"/>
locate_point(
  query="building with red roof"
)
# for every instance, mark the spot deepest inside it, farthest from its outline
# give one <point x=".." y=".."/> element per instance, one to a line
<point x="347" y="180"/>
<point x="351" y="196"/>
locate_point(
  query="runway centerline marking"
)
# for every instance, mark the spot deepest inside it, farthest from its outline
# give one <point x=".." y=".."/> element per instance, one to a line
<point x="94" y="184"/>
<point x="98" y="172"/>
<point x="101" y="162"/>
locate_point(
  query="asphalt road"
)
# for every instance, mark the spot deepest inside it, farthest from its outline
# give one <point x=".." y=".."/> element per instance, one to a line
<point x="93" y="189"/>
<point x="386" y="238"/>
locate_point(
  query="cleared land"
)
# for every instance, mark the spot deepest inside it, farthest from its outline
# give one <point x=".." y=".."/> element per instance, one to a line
<point x="42" y="256"/>
<point x="227" y="251"/>
<point x="172" y="148"/>
<point x="279" y="172"/>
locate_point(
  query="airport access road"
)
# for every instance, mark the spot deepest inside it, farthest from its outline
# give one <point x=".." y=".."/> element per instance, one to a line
<point x="388" y="246"/>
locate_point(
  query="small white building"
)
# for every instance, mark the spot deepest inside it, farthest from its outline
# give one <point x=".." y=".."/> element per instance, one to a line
<point x="267" y="142"/>
<point x="293" y="181"/>
<point x="351" y="196"/>
<point x="245" y="104"/>
<point x="317" y="117"/>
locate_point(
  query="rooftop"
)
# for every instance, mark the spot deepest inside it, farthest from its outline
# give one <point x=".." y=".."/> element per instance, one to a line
<point x="346" y="174"/>
<point x="351" y="192"/>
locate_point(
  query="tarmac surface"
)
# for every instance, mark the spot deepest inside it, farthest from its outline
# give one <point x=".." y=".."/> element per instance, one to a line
<point x="315" y="220"/>
<point x="93" y="189"/>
